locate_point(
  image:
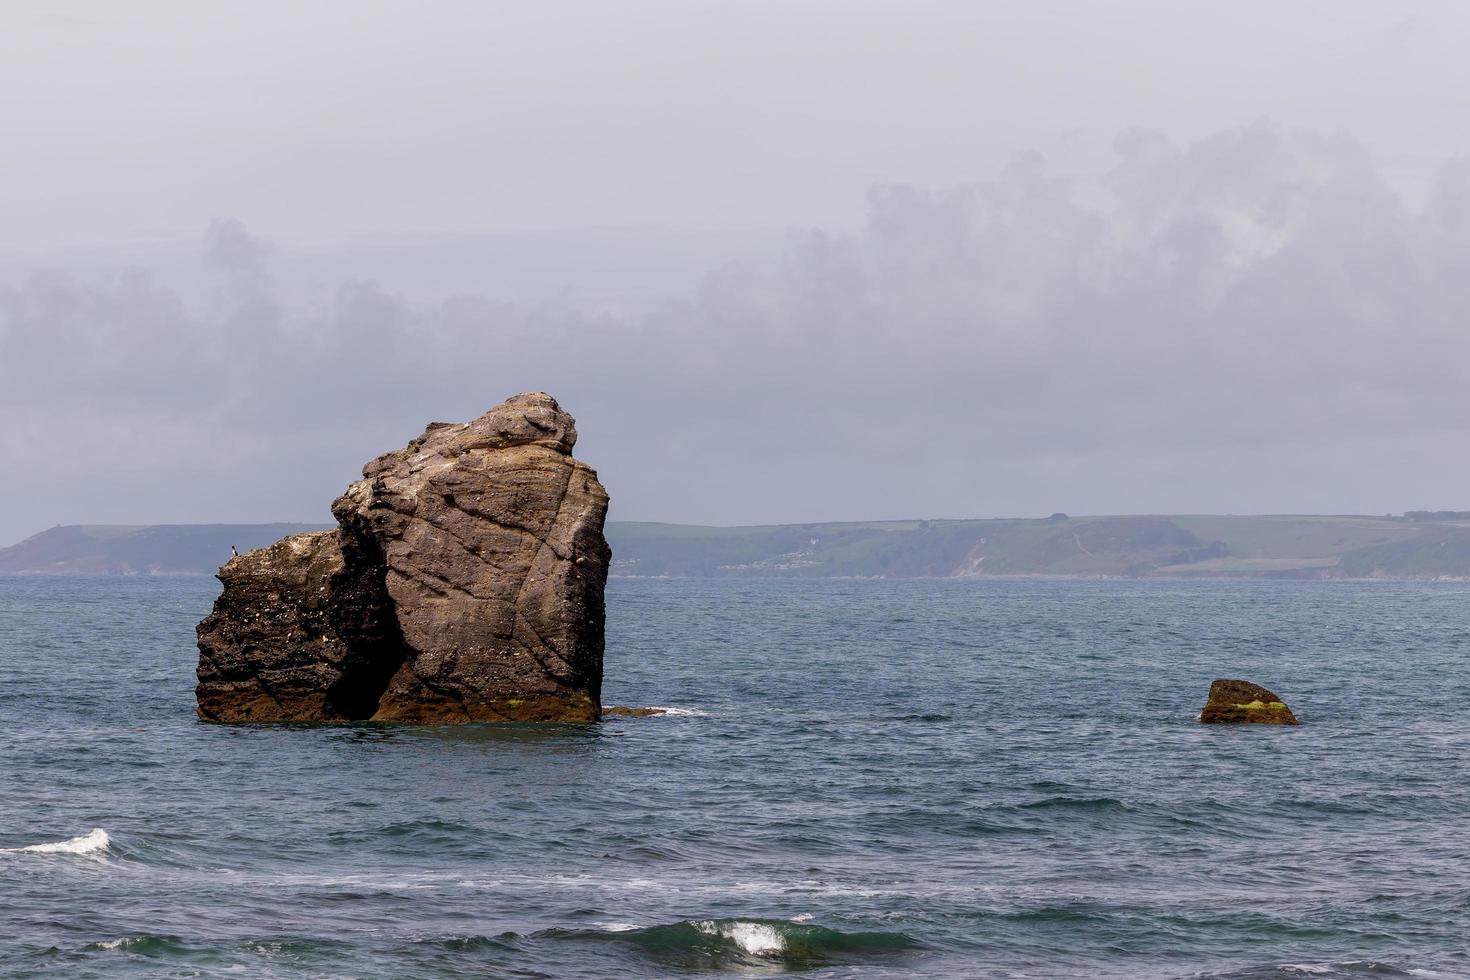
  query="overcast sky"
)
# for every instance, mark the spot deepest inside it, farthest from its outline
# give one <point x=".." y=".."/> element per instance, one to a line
<point x="784" y="261"/>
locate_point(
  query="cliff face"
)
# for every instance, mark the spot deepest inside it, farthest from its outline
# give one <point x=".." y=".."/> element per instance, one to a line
<point x="464" y="583"/>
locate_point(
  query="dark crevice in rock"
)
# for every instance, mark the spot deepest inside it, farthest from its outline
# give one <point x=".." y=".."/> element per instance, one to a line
<point x="363" y="616"/>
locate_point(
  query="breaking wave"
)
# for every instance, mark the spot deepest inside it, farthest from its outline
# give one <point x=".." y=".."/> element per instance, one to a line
<point x="721" y="942"/>
<point x="143" y="945"/>
<point x="1340" y="970"/>
<point x="94" y="841"/>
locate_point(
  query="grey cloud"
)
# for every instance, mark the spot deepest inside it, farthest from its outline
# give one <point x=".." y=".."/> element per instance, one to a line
<point x="1252" y="322"/>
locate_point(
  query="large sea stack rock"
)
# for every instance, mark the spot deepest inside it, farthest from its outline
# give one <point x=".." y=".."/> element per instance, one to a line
<point x="1234" y="702"/>
<point x="464" y="583"/>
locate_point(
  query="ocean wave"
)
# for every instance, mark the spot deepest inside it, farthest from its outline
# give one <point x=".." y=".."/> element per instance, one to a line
<point x="117" y="943"/>
<point x="144" y="945"/>
<point x="1075" y="803"/>
<point x="1339" y="970"/>
<point x="440" y="833"/>
<point x="94" y="841"/>
<point x="680" y="712"/>
<point x="756" y="938"/>
<point x="1351" y="968"/>
<point x="930" y="716"/>
<point x="735" y="941"/>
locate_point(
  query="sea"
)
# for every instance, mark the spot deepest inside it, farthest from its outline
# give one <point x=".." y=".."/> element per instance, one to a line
<point x="979" y="778"/>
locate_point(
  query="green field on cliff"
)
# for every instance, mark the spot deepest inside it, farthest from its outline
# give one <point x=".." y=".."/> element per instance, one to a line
<point x="1417" y="545"/>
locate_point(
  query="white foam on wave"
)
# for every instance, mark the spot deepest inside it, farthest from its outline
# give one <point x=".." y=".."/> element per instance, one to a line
<point x="811" y="889"/>
<point x="756" y="938"/>
<point x="1323" y="969"/>
<point x="680" y="712"/>
<point x="618" y="926"/>
<point x="122" y="943"/>
<point x="93" y="841"/>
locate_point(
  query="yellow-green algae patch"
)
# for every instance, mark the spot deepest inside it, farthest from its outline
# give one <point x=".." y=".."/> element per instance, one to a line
<point x="1261" y="705"/>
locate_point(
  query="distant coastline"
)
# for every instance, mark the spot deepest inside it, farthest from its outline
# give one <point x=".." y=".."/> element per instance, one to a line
<point x="1420" y="545"/>
<point x="119" y="549"/>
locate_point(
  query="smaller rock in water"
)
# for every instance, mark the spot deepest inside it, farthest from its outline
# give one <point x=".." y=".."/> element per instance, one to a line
<point x="1234" y="702"/>
<point x="624" y="711"/>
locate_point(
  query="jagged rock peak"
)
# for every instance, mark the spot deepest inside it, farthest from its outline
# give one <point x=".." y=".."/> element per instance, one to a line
<point x="532" y="418"/>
